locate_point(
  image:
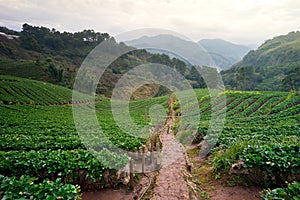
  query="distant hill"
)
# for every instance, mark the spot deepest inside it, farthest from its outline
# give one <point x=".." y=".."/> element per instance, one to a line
<point x="224" y="53"/>
<point x="45" y="54"/>
<point x="277" y="51"/>
<point x="275" y="65"/>
<point x="48" y="55"/>
<point x="174" y="46"/>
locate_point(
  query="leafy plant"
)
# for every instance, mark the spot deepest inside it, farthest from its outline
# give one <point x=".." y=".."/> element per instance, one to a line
<point x="273" y="158"/>
<point x="292" y="192"/>
<point x="26" y="188"/>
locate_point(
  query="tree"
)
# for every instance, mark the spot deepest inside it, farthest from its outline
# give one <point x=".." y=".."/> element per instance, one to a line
<point x="291" y="79"/>
<point x="196" y="78"/>
<point x="30" y="43"/>
<point x="179" y="65"/>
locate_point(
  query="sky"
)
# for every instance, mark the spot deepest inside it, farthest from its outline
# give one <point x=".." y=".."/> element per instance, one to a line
<point x="238" y="21"/>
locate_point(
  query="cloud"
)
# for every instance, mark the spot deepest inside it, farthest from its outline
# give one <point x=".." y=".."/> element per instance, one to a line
<point x="248" y="21"/>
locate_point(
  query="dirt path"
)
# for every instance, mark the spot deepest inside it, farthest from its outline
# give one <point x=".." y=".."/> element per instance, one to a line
<point x="170" y="182"/>
<point x="173" y="179"/>
<point x="107" y="194"/>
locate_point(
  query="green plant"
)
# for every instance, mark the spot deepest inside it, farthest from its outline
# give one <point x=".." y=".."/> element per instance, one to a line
<point x="26" y="188"/>
<point x="274" y="159"/>
<point x="291" y="192"/>
<point x="218" y="175"/>
<point x="225" y="158"/>
<point x="205" y="195"/>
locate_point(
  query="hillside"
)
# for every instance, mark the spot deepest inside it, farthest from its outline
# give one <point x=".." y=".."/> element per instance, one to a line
<point x="43" y="54"/>
<point x="48" y="55"/>
<point x="15" y="90"/>
<point x="273" y="66"/>
<point x="224" y="53"/>
<point x="277" y="51"/>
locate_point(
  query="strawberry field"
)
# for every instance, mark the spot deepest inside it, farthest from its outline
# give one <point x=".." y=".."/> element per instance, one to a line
<point x="262" y="133"/>
<point x="41" y="151"/>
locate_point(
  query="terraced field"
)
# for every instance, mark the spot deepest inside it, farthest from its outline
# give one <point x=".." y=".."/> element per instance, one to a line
<point x="39" y="143"/>
<point x="42" y="156"/>
<point x="261" y="134"/>
<point x="15" y="90"/>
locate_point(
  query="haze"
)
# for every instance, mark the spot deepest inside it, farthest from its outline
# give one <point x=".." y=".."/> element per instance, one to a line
<point x="243" y="22"/>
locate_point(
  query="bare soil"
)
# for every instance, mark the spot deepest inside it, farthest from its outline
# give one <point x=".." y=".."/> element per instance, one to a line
<point x="107" y="194"/>
<point x="142" y="188"/>
<point x="225" y="187"/>
<point x="221" y="192"/>
<point x="170" y="182"/>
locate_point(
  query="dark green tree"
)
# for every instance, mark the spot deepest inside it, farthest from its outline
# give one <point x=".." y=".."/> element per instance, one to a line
<point x="292" y="78"/>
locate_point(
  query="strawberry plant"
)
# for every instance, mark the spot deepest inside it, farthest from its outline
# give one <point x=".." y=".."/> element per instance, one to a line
<point x="27" y="188"/>
<point x="273" y="158"/>
<point x="292" y="192"/>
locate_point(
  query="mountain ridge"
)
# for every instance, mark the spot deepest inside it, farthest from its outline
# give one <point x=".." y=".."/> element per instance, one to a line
<point x="189" y="50"/>
<point x="275" y="65"/>
<point x="37" y="54"/>
<point x="223" y="52"/>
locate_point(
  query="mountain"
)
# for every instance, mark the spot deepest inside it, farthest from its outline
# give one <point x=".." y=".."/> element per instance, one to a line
<point x="190" y="52"/>
<point x="277" y="51"/>
<point x="224" y="53"/>
<point x="275" y="65"/>
<point x="44" y="54"/>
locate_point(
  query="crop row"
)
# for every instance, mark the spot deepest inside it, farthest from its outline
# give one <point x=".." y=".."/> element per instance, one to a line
<point x="287" y="102"/>
<point x="262" y="129"/>
<point x="273" y="158"/>
<point x="18" y="90"/>
<point x="292" y="191"/>
<point x="59" y="163"/>
<point x="244" y="104"/>
<point x="27" y="187"/>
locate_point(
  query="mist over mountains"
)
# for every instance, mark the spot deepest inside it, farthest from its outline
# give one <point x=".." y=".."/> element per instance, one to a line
<point x="48" y="55"/>
<point x="224" y="53"/>
<point x="207" y="52"/>
<point x="190" y="52"/>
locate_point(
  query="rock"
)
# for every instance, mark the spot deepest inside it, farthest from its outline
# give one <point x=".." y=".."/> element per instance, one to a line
<point x="237" y="168"/>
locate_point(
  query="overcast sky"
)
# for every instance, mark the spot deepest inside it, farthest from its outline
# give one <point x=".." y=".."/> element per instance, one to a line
<point x="239" y="21"/>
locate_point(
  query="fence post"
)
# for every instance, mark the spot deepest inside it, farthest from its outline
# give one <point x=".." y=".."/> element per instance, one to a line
<point x="155" y="142"/>
<point x="143" y="159"/>
<point x="152" y="151"/>
<point x="158" y="157"/>
<point x="131" y="173"/>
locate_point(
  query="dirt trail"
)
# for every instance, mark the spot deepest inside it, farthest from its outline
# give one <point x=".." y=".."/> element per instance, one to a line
<point x="170" y="182"/>
<point x="107" y="194"/>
